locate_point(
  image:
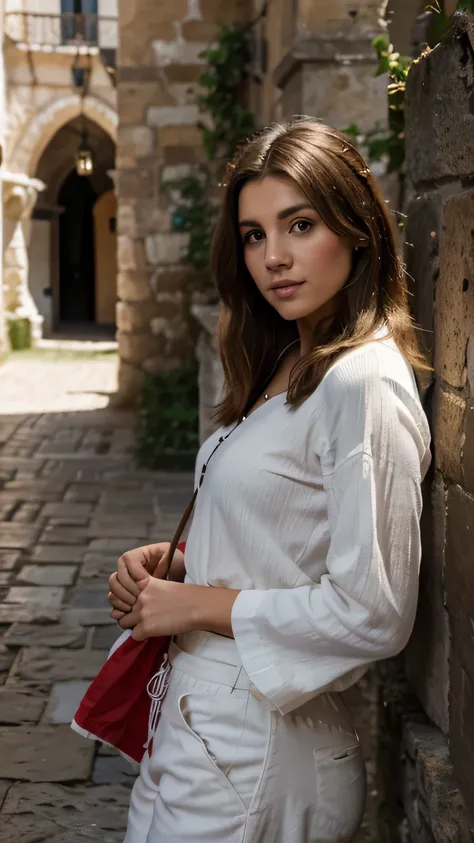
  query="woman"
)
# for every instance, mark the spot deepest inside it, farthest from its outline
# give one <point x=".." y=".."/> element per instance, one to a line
<point x="303" y="555"/>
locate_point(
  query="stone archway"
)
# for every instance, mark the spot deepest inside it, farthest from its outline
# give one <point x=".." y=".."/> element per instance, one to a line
<point x="42" y="127"/>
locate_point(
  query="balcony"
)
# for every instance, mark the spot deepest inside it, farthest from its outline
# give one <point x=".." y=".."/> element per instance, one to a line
<point x="61" y="32"/>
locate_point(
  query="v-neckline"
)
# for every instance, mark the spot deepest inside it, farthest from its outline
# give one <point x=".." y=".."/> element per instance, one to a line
<point x="265" y="404"/>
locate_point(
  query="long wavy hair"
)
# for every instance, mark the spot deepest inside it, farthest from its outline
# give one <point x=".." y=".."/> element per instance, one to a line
<point x="251" y="334"/>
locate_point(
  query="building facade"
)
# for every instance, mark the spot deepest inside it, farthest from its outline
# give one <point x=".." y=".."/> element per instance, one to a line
<point x="60" y="107"/>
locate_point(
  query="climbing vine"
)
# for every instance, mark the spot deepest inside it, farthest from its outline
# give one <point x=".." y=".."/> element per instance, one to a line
<point x="389" y="142"/>
<point x="225" y="123"/>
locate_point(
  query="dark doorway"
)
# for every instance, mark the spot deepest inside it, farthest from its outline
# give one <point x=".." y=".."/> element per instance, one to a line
<point x="76" y="250"/>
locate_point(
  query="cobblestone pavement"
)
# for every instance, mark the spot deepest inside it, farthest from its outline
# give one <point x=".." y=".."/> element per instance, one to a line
<point x="71" y="501"/>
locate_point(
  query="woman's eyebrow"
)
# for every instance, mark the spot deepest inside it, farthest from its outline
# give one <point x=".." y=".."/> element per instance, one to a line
<point x="287" y="212"/>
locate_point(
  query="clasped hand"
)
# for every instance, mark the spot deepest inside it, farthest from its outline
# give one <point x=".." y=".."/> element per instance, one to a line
<point x="143" y="601"/>
<point x="146" y="603"/>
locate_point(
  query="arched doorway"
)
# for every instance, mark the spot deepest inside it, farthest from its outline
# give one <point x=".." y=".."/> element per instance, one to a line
<point x="71" y="279"/>
<point x="76" y="250"/>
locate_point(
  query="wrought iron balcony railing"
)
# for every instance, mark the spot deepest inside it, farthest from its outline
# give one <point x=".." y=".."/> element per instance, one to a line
<point x="67" y="29"/>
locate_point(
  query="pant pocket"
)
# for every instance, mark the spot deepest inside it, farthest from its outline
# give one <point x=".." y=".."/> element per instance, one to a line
<point x="341" y="791"/>
<point x="233" y="736"/>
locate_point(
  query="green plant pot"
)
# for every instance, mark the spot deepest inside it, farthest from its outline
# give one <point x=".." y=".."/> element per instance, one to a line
<point x="19" y="333"/>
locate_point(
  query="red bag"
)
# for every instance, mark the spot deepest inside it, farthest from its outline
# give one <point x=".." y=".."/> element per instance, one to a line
<point x="122" y="705"/>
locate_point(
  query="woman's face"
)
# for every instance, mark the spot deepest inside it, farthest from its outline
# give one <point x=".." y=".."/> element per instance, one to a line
<point x="286" y="242"/>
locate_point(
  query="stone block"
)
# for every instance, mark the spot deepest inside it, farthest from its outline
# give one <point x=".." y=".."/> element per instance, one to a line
<point x="135" y="183"/>
<point x="17" y="708"/>
<point x="454" y="311"/>
<point x="47" y="574"/>
<point x="66" y="510"/>
<point x="79" y="492"/>
<point x="118" y="546"/>
<point x="460" y="602"/>
<point x="134" y="285"/>
<point x="438" y="114"/>
<point x="427" y="653"/>
<point x="90" y="597"/>
<point x="55" y="665"/>
<point x="64" y="701"/>
<point x="468" y="450"/>
<point x="183" y="73"/>
<point x="135" y="98"/>
<point x="20" y="536"/>
<point x="49" y="811"/>
<point x="130" y="382"/>
<point x="87" y="617"/>
<point x="181" y="155"/>
<point x="448" y="432"/>
<point x="63" y="535"/>
<point x="179" y="136"/>
<point x="171" y="280"/>
<point x="166" y="248"/>
<point x="135" y="140"/>
<point x="58" y="553"/>
<point x="134" y="317"/>
<point x="98" y="530"/>
<point x="178" y="51"/>
<point x="8" y="559"/>
<point x="135" y="348"/>
<point x="37" y="598"/>
<point x="45" y="754"/>
<point x="105" y="637"/>
<point x="98" y="566"/>
<point x="35" y="635"/>
<point x="130" y="253"/>
<point x="113" y="770"/>
<point x="422" y="261"/>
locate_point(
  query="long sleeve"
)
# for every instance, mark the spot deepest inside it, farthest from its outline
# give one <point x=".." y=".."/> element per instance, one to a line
<point x="371" y="442"/>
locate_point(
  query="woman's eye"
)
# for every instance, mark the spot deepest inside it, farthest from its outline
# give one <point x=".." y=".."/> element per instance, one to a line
<point x="302" y="226"/>
<point x="253" y="237"/>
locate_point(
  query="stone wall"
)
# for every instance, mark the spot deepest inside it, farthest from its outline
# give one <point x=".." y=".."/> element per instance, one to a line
<point x="430" y="717"/>
<point x="158" y="140"/>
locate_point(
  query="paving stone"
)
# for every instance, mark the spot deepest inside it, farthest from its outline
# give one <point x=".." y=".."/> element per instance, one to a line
<point x="15" y="613"/>
<point x="63" y="535"/>
<point x="49" y="599"/>
<point x="64" y="701"/>
<point x="5" y="577"/>
<point x="57" y="635"/>
<point x="122" y="500"/>
<point x="67" y="510"/>
<point x="105" y="636"/>
<point x="118" y="546"/>
<point x="44" y="754"/>
<point x="41" y="495"/>
<point x="17" y="707"/>
<point x="99" y="529"/>
<point x="48" y="574"/>
<point x="69" y="521"/>
<point x="8" y="559"/>
<point x="87" y="617"/>
<point x="58" y="553"/>
<point x="113" y="770"/>
<point x="53" y="665"/>
<point x="5" y="784"/>
<point x="102" y="808"/>
<point x="98" y="566"/>
<point x="83" y="493"/>
<point x="6" y="658"/>
<point x="90" y="597"/>
<point x="17" y="535"/>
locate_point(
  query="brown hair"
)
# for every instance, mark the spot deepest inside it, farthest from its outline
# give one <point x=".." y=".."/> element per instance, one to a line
<point x="251" y="334"/>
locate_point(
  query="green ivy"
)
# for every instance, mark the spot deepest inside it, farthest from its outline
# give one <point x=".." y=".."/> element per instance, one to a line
<point x="168" y="424"/>
<point x="389" y="142"/>
<point x="225" y="124"/>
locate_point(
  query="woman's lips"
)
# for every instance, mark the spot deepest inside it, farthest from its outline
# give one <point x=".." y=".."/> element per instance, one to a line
<point x="287" y="292"/>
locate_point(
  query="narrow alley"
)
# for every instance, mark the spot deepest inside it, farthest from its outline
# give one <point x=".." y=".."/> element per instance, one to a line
<point x="71" y="501"/>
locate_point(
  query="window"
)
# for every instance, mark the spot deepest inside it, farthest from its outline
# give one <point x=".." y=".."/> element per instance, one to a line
<point x="79" y="21"/>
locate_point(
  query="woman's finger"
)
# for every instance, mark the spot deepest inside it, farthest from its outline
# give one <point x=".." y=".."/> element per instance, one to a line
<point x="122" y="593"/>
<point x="117" y="603"/>
<point x="117" y="615"/>
<point x="128" y="572"/>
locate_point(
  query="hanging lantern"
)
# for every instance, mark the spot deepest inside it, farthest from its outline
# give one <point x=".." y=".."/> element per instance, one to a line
<point x="84" y="159"/>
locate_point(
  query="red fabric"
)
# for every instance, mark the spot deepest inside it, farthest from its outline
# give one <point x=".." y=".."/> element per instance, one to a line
<point x="116" y="706"/>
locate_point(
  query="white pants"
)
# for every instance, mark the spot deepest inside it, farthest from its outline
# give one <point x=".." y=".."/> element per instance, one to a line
<point x="227" y="768"/>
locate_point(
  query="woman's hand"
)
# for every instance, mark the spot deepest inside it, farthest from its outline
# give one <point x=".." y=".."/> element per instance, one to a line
<point x="171" y="608"/>
<point x="133" y="566"/>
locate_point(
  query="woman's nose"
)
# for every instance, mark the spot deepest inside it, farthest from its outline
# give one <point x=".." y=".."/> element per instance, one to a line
<point x="276" y="256"/>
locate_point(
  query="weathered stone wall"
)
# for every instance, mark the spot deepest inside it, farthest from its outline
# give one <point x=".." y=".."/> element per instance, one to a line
<point x="158" y="140"/>
<point x="430" y="719"/>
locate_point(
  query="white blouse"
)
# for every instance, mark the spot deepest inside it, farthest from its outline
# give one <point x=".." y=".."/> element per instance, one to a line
<point x="314" y="515"/>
